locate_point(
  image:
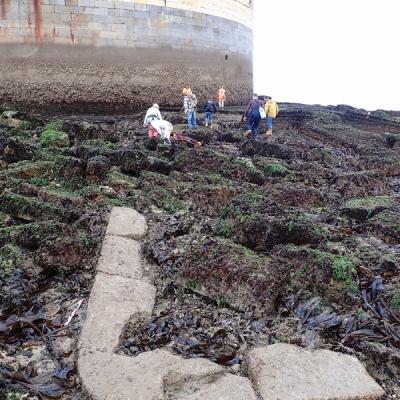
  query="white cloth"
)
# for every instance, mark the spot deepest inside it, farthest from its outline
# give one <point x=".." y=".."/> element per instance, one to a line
<point x="152" y="114"/>
<point x="164" y="129"/>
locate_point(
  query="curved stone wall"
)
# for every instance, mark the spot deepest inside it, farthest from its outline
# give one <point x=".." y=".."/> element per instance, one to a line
<point x="121" y="55"/>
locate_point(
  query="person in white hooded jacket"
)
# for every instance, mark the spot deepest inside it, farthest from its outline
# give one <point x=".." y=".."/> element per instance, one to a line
<point x="152" y="114"/>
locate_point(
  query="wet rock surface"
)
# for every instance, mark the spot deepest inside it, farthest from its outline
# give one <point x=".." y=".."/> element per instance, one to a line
<point x="281" y="241"/>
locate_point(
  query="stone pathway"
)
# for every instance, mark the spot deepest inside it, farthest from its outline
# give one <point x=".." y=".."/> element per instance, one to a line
<point x="121" y="291"/>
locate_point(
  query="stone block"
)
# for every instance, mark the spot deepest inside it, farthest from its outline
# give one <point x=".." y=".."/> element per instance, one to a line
<point x="119" y="27"/>
<point x="104" y="3"/>
<point x="126" y="222"/>
<point x="125" y="5"/>
<point x="113" y="12"/>
<point x="141" y="15"/>
<point x="61" y="10"/>
<point x="46" y="9"/>
<point x="126" y="13"/>
<point x="57" y="2"/>
<point x="87" y="3"/>
<point x="108" y="19"/>
<point x="140" y="7"/>
<point x="284" y="371"/>
<point x="96" y="11"/>
<point x="147" y="376"/>
<point x="113" y="300"/>
<point x="82" y="33"/>
<point x="81" y="18"/>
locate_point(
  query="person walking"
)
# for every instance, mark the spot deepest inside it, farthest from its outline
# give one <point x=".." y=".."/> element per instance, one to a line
<point x="272" y="111"/>
<point x="152" y="114"/>
<point x="190" y="109"/>
<point x="253" y="117"/>
<point x="209" y="110"/>
<point x="221" y="97"/>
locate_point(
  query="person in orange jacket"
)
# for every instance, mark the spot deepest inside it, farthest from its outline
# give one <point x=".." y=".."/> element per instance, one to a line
<point x="221" y="97"/>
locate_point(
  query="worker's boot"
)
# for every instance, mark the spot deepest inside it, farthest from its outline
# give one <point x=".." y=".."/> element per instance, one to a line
<point x="247" y="133"/>
<point x="269" y="133"/>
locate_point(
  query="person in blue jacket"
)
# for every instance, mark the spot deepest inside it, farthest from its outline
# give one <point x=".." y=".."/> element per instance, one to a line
<point x="209" y="109"/>
<point x="253" y="117"/>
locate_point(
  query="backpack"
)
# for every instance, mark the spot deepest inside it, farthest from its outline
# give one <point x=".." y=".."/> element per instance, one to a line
<point x="263" y="114"/>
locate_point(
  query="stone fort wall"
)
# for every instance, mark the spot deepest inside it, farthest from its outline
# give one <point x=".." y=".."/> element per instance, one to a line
<point x="197" y="42"/>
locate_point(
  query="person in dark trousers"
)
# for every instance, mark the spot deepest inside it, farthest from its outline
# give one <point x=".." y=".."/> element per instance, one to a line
<point x="253" y="117"/>
<point x="209" y="110"/>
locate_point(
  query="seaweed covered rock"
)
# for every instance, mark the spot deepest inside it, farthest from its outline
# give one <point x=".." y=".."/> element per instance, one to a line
<point x="157" y="165"/>
<point x="32" y="236"/>
<point x="11" y="119"/>
<point x="231" y="167"/>
<point x="249" y="280"/>
<point x="73" y="170"/>
<point x="54" y="138"/>
<point x="12" y="151"/>
<point x="132" y="163"/>
<point x="61" y="256"/>
<point x="360" y="209"/>
<point x="321" y="273"/>
<point x="258" y="222"/>
<point x="97" y="168"/>
<point x="266" y="149"/>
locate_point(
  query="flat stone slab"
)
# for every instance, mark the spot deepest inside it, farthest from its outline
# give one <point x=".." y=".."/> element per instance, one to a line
<point x="160" y="375"/>
<point x="120" y="256"/>
<point x="126" y="222"/>
<point x="287" y="372"/>
<point x="114" y="299"/>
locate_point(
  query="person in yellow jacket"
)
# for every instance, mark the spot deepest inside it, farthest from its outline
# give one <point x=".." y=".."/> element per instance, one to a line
<point x="272" y="110"/>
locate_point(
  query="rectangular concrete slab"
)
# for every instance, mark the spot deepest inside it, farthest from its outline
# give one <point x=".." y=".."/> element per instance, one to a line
<point x="120" y="256"/>
<point x="113" y="301"/>
<point x="126" y="222"/>
<point x="145" y="377"/>
<point x="284" y="371"/>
